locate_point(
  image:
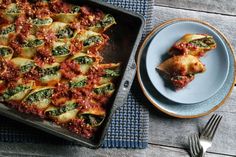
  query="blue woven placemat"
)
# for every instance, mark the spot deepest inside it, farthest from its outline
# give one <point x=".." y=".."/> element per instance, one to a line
<point x="129" y="126"/>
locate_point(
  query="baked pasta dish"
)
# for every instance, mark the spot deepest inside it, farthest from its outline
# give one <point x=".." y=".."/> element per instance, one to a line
<point x="193" y="44"/>
<point x="183" y="64"/>
<point x="51" y="62"/>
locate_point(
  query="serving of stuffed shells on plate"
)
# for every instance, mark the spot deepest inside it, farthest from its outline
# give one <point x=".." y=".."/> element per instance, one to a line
<point x="184" y="63"/>
<point x="187" y="62"/>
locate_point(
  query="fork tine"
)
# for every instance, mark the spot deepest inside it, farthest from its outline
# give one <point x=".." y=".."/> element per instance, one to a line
<point x="194" y="145"/>
<point x="191" y="145"/>
<point x="209" y="123"/>
<point x="198" y="147"/>
<point x="208" y="133"/>
<point x="192" y="148"/>
<point x="212" y="134"/>
<point x="212" y="126"/>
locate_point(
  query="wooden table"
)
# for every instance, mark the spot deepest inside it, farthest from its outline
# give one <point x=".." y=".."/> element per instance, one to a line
<point x="167" y="136"/>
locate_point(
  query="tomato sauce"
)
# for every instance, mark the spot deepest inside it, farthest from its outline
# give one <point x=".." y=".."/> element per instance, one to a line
<point x="9" y="72"/>
<point x="70" y="69"/>
<point x="84" y="96"/>
<point x="44" y="56"/>
<point x="59" y="7"/>
<point x="75" y="46"/>
<point x="181" y="83"/>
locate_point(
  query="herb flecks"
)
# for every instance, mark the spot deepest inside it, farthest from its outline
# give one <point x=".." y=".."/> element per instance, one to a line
<point x="39" y="21"/>
<point x="111" y="73"/>
<point x="27" y="67"/>
<point x="60" y="50"/>
<point x="10" y="92"/>
<point x="33" y="43"/>
<point x="104" y="89"/>
<point x="14" y="10"/>
<point x="106" y="22"/>
<point x="7" y="30"/>
<point x="65" y="33"/>
<point x="75" y="9"/>
<point x="4" y="51"/>
<point x="92" y="40"/>
<point x="40" y="95"/>
<point x="63" y="109"/>
<point x="76" y="84"/>
<point x="204" y="42"/>
<point x="50" y="71"/>
<point x="84" y="60"/>
<point x="93" y="120"/>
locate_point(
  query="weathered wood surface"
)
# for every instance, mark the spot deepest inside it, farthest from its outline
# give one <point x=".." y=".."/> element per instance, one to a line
<point x="39" y="150"/>
<point x="215" y="6"/>
<point x="167" y="136"/>
<point x="169" y="131"/>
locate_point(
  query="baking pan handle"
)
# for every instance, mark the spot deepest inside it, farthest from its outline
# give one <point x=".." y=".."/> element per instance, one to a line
<point x="125" y="85"/>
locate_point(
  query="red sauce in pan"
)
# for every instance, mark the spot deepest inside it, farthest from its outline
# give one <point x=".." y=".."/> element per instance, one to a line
<point x="10" y="74"/>
<point x="44" y="56"/>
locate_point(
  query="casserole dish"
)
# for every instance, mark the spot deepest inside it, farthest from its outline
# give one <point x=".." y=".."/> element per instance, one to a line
<point x="124" y="38"/>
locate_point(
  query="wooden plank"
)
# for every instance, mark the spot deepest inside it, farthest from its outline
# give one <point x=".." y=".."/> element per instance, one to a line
<point x="42" y="150"/>
<point x="219" y="6"/>
<point x="174" y="132"/>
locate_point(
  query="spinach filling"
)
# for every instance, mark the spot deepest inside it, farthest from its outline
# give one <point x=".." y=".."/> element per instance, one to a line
<point x="84" y="60"/>
<point x="33" y="43"/>
<point x="108" y="20"/>
<point x="104" y="89"/>
<point x="14" y="10"/>
<point x="204" y="42"/>
<point x="7" y="30"/>
<point x="60" y="50"/>
<point x="93" y="120"/>
<point x="40" y="95"/>
<point x="63" y="109"/>
<point x="27" y="67"/>
<point x="65" y="33"/>
<point x="92" y="40"/>
<point x="50" y="71"/>
<point x="81" y="83"/>
<point x="111" y="73"/>
<point x="5" y="51"/>
<point x="75" y="9"/>
<point x="10" y="92"/>
<point x="38" y="21"/>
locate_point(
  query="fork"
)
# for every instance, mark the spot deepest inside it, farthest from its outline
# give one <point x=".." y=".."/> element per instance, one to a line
<point x="208" y="132"/>
<point x="195" y="147"/>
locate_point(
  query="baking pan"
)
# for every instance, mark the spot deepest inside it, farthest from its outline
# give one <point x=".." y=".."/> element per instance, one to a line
<point x="124" y="39"/>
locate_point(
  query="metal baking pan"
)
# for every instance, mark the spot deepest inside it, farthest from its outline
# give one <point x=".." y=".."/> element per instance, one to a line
<point x="124" y="39"/>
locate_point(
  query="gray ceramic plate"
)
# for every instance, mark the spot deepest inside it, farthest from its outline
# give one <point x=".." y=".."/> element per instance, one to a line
<point x="204" y="85"/>
<point x="178" y="109"/>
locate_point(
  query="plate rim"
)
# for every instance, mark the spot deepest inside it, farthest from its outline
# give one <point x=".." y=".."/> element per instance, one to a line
<point x="210" y="95"/>
<point x="140" y="52"/>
